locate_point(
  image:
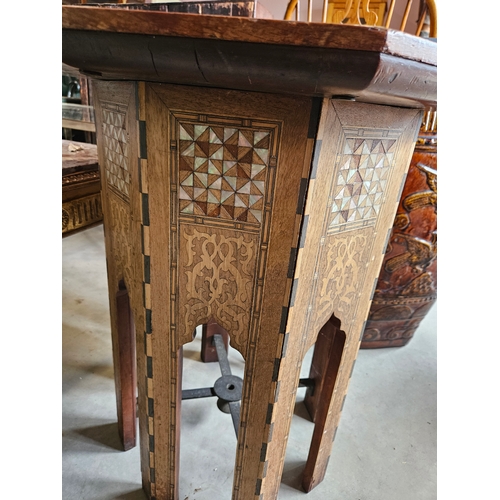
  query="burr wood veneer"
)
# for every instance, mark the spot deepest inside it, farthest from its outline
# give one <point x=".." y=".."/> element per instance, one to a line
<point x="238" y="191"/>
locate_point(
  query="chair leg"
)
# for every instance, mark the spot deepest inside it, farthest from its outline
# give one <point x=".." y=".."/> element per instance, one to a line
<point x="125" y="370"/>
<point x="324" y="369"/>
<point x="208" y="350"/>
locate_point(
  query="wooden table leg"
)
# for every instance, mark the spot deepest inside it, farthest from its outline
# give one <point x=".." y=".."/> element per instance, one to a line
<point x="361" y="155"/>
<point x="324" y="349"/>
<point x="209" y="177"/>
<point x="214" y="252"/>
<point x="125" y="371"/>
<point x="125" y="258"/>
<point x="208" y="350"/>
<point x="325" y="365"/>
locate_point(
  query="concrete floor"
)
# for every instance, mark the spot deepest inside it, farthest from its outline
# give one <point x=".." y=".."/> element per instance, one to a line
<point x="385" y="448"/>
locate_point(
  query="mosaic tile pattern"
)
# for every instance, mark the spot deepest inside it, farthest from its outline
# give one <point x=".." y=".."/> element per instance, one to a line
<point x="222" y="171"/>
<point x="362" y="179"/>
<point x="116" y="148"/>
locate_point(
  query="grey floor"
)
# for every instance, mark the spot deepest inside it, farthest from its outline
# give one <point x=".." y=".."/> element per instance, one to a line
<point x="385" y="448"/>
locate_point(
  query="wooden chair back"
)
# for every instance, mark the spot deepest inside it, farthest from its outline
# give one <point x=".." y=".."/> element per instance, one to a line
<point x="370" y="13"/>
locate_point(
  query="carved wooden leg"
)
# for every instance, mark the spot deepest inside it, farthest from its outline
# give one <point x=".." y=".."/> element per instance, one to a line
<point x="116" y="146"/>
<point x="213" y="182"/>
<point x="350" y="205"/>
<point x="208" y="350"/>
<point x="319" y="365"/>
<point x="163" y="413"/>
<point x="275" y="415"/>
<point x="124" y="358"/>
<point x="126" y="233"/>
<point x="280" y="412"/>
<point x="331" y="340"/>
<point x="194" y="227"/>
<point x="125" y="371"/>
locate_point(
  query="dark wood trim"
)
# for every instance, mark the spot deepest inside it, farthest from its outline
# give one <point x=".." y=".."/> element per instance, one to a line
<point x="332" y="72"/>
<point x="241" y="29"/>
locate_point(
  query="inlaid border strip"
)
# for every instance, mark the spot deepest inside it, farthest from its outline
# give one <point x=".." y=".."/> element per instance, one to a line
<point x="262" y="229"/>
<point x="142" y="165"/>
<point x="300" y="228"/>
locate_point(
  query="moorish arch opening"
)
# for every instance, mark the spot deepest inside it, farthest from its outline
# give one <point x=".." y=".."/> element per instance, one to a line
<point x="320" y="368"/>
<point x="211" y="393"/>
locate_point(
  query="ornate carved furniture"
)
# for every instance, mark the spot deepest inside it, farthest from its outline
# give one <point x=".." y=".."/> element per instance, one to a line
<point x="81" y="186"/>
<point x="251" y="173"/>
<point x="407" y="285"/>
<point x="372" y="13"/>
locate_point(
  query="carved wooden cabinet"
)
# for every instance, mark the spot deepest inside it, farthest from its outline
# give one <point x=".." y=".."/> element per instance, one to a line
<point x="407" y="285"/>
<point x="243" y="184"/>
<point x="81" y="186"/>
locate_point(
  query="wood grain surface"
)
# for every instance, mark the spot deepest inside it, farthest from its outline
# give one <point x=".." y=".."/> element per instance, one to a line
<point x="78" y="157"/>
<point x="241" y="29"/>
<point x="349" y="213"/>
<point x="267" y="212"/>
<point x="118" y="149"/>
<point x="251" y="54"/>
<point x="242" y="265"/>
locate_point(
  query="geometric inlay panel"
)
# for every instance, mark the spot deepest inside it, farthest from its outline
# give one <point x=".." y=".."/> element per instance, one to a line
<point x="222" y="171"/>
<point x="364" y="169"/>
<point x="116" y="148"/>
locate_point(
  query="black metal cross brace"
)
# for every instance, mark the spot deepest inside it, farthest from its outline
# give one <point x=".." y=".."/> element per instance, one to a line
<point x="228" y="388"/>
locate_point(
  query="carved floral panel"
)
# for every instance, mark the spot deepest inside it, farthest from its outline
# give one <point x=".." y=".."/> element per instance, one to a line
<point x="218" y="270"/>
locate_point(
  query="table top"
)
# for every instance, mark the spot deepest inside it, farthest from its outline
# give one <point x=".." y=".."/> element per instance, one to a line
<point x="366" y="63"/>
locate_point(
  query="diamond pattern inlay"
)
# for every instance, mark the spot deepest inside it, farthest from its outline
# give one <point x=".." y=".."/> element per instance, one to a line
<point x="362" y="179"/>
<point x="222" y="171"/>
<point x="116" y="149"/>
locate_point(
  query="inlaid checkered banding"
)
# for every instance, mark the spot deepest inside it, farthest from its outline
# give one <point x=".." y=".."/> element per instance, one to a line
<point x="225" y="169"/>
<point x="299" y="235"/>
<point x="146" y="259"/>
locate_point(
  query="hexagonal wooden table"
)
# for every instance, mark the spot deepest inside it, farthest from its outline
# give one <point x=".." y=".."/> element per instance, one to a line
<point x="251" y="173"/>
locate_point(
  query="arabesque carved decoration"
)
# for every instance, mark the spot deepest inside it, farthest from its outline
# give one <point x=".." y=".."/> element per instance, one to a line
<point x="356" y="14"/>
<point x="343" y="276"/>
<point x="419" y="254"/>
<point x="81" y="212"/>
<point x="120" y="215"/>
<point x="217" y="272"/>
<point x="364" y="167"/>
